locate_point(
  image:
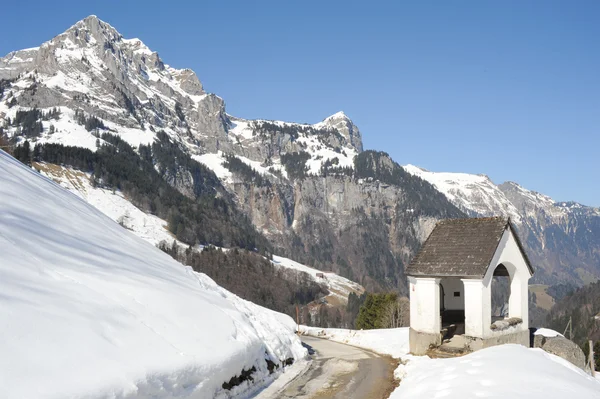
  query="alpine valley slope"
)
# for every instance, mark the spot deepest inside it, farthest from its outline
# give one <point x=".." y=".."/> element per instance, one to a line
<point x="151" y="228"/>
<point x="562" y="238"/>
<point x="87" y="309"/>
<point x="308" y="188"/>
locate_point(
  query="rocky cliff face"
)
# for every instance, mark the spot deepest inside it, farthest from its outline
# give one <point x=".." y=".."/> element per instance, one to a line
<point x="309" y="188"/>
<point x="365" y="225"/>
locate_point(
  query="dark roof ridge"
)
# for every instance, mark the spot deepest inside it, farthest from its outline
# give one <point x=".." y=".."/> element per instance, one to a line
<point x="474" y="220"/>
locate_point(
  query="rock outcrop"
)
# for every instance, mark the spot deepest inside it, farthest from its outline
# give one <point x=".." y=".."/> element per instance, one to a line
<point x="562" y="347"/>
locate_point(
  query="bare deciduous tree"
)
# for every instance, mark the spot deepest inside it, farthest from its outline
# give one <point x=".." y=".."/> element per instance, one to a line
<point x="396" y="314"/>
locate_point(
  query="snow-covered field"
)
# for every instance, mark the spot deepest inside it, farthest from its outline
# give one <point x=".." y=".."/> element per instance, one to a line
<point x="506" y="371"/>
<point x="338" y="286"/>
<point x="87" y="309"/>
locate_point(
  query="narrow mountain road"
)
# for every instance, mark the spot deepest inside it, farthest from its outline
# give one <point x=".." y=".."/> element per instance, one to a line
<point x="340" y="371"/>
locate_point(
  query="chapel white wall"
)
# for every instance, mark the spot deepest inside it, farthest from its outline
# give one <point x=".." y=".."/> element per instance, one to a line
<point x="452" y="285"/>
<point x="509" y="254"/>
<point x="425" y="304"/>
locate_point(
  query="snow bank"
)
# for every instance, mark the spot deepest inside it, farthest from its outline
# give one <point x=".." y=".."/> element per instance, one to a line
<point x="506" y="371"/>
<point x="392" y="341"/>
<point x="89" y="309"/>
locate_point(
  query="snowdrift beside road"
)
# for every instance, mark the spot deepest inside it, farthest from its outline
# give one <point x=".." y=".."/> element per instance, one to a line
<point x="89" y="309"/>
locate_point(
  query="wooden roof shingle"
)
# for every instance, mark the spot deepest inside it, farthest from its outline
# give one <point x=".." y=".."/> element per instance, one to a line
<point x="462" y="248"/>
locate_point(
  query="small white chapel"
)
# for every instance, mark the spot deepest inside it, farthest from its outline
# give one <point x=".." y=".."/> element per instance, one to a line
<point x="450" y="284"/>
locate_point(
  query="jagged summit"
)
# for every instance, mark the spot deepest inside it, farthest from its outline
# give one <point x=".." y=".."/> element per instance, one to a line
<point x="338" y="115"/>
<point x="91" y="30"/>
<point x="92" y="68"/>
<point x="346" y="127"/>
<point x="92" y="22"/>
<point x="92" y="18"/>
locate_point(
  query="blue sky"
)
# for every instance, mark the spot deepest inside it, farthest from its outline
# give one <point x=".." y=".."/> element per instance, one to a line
<point x="510" y="89"/>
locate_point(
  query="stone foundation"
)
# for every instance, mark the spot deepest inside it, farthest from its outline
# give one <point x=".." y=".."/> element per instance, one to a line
<point x="420" y="342"/>
<point x="517" y="337"/>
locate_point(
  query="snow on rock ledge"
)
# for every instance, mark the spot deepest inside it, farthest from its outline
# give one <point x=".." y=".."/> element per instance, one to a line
<point x="89" y="309"/>
<point x="548" y="333"/>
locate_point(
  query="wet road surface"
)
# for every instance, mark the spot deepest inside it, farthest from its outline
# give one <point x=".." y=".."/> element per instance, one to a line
<point x="342" y="372"/>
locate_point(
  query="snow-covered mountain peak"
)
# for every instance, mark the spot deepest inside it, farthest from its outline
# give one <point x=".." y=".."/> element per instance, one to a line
<point x="93" y="47"/>
<point x="94" y="26"/>
<point x="90" y="67"/>
<point x="337" y="115"/>
<point x="344" y="125"/>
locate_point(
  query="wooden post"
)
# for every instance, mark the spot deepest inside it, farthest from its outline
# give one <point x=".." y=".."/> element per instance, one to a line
<point x="298" y="319"/>
<point x="571" y="328"/>
<point x="591" y="356"/>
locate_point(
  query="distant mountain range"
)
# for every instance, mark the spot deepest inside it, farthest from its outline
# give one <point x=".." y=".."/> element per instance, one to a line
<point x="562" y="238"/>
<point x="308" y="192"/>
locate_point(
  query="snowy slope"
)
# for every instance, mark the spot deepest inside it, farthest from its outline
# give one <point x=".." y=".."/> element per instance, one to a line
<point x="478" y="195"/>
<point x="338" y="286"/>
<point x="154" y="230"/>
<point x="112" y="203"/>
<point x="475" y="194"/>
<point x="89" y="309"/>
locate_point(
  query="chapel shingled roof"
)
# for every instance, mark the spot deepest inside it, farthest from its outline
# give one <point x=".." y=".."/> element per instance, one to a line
<point x="462" y="248"/>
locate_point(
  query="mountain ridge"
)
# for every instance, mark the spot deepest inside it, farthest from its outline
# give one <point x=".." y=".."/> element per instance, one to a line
<point x="309" y="188"/>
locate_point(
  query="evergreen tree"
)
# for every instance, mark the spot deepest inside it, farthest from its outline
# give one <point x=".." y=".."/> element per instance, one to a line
<point x="23" y="153"/>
